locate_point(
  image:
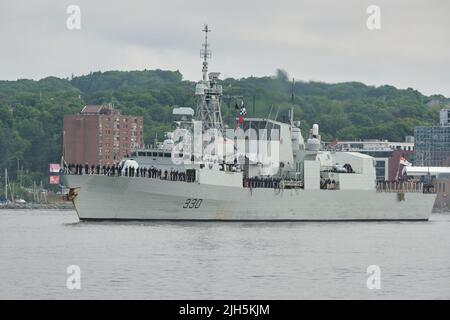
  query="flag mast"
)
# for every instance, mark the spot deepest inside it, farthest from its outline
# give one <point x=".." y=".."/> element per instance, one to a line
<point x="6" y="184"/>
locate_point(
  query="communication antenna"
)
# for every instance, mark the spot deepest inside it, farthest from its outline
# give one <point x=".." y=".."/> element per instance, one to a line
<point x="205" y="53"/>
<point x="254" y="104"/>
<point x="292" y="105"/>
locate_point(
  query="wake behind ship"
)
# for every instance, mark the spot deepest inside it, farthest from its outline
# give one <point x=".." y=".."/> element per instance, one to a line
<point x="261" y="171"/>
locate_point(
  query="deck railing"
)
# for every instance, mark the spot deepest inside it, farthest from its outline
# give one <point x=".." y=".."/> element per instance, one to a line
<point x="404" y="186"/>
<point x="171" y="175"/>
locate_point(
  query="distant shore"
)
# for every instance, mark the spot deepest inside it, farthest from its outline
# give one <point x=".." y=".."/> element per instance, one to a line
<point x="56" y="206"/>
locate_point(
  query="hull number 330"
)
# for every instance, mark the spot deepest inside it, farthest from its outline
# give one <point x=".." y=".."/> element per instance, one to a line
<point x="193" y="203"/>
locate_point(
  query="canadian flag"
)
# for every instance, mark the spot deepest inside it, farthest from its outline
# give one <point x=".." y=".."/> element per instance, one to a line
<point x="54" y="179"/>
<point x="404" y="162"/>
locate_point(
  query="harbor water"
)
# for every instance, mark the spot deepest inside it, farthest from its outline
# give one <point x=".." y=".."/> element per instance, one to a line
<point x="221" y="260"/>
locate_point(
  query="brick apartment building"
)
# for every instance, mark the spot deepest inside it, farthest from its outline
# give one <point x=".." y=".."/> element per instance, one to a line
<point x="101" y="135"/>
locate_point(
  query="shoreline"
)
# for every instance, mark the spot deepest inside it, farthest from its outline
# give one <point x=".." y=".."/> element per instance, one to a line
<point x="46" y="206"/>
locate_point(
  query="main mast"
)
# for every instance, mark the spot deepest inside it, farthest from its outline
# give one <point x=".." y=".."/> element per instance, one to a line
<point x="209" y="92"/>
<point x="205" y="53"/>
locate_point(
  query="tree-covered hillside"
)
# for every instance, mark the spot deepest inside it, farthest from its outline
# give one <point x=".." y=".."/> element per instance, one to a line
<point x="31" y="112"/>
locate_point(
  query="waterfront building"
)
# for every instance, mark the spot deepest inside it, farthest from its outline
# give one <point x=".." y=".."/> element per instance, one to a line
<point x="433" y="143"/>
<point x="101" y="135"/>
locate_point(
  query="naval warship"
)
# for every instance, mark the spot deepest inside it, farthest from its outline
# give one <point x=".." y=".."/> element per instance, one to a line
<point x="263" y="170"/>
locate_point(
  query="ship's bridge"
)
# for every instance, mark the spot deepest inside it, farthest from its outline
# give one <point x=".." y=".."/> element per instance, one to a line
<point x="272" y="131"/>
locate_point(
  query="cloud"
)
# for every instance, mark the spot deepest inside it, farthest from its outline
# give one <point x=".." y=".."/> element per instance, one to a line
<point x="313" y="40"/>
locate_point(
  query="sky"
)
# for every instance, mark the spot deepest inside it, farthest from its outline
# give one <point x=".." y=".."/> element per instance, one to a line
<point x="319" y="40"/>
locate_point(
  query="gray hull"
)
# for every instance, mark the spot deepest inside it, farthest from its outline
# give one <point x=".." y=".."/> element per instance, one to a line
<point x="125" y="198"/>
